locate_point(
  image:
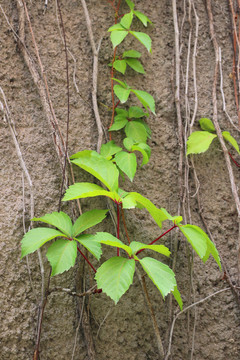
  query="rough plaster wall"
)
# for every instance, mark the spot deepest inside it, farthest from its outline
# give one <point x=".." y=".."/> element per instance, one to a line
<point x="127" y="331"/>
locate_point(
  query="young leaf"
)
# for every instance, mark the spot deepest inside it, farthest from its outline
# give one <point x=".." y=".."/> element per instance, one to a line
<point x="128" y="143"/>
<point x="200" y="242"/>
<point x="121" y="93"/>
<point x="131" y="54"/>
<point x="122" y="112"/>
<point x="35" y="238"/>
<point x="110" y="240"/>
<point x="109" y="149"/>
<point x="136" y="112"/>
<point x="227" y="136"/>
<point x="59" y="219"/>
<point x="177" y="296"/>
<point x="145" y="150"/>
<point x="119" y="124"/>
<point x="160" y="274"/>
<point x="135" y="65"/>
<point x="146" y="99"/>
<point x="90" y="243"/>
<point x="127" y="162"/>
<point x="62" y="255"/>
<point x="136" y="131"/>
<point x="207" y="124"/>
<point x="130" y="4"/>
<point x="104" y="170"/>
<point x="143" y="38"/>
<point x="125" y="86"/>
<point x="116" y="27"/>
<point x="199" y="141"/>
<point x="157" y="214"/>
<point x="161" y="249"/>
<point x="87" y="220"/>
<point x="117" y="37"/>
<point x="143" y="18"/>
<point x="84" y="190"/>
<point x="126" y="20"/>
<point x="115" y="276"/>
<point x="120" y="65"/>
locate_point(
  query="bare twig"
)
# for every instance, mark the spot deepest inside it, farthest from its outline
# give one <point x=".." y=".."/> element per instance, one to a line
<point x="186" y="309"/>
<point x="103" y="321"/>
<point x="95" y="51"/>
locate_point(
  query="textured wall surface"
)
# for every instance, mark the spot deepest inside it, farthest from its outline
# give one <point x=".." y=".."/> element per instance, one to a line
<point x="124" y="331"/>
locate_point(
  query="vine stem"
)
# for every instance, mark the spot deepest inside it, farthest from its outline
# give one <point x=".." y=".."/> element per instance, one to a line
<point x="89" y="263"/>
<point x="159" y="237"/>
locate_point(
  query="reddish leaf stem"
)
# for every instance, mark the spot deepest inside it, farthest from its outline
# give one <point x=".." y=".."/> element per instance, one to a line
<point x="235" y="162"/>
<point x="158" y="238"/>
<point x="125" y="225"/>
<point x="87" y="260"/>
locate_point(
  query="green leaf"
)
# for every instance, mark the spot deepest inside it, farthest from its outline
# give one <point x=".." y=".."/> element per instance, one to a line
<point x="121" y="93"/>
<point x="135" y="112"/>
<point x="160" y="274"/>
<point x="87" y="220"/>
<point x="136" y="131"/>
<point x="116" y="27"/>
<point x="148" y="130"/>
<point x="35" y="238"/>
<point x="85" y="190"/>
<point x="122" y="112"/>
<point x="143" y="38"/>
<point x="117" y="37"/>
<point x="227" y="136"/>
<point x="135" y="65"/>
<point x="120" y="65"/>
<point x="91" y="244"/>
<point x="143" y="18"/>
<point x="115" y="276"/>
<point x="126" y="20"/>
<point x="59" y="219"/>
<point x="119" y="124"/>
<point x="199" y="141"/>
<point x="124" y="85"/>
<point x="131" y="54"/>
<point x="207" y="124"/>
<point x="128" y="143"/>
<point x="161" y="249"/>
<point x="104" y="170"/>
<point x="176" y="219"/>
<point x="127" y="162"/>
<point x="146" y="99"/>
<point x="62" y="255"/>
<point x="130" y="4"/>
<point x="145" y="150"/>
<point x="177" y="296"/>
<point x="109" y="149"/>
<point x="157" y="214"/>
<point x="200" y="242"/>
<point x="110" y="240"/>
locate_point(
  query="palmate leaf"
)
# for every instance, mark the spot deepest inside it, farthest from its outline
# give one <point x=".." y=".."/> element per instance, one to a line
<point x="91" y="244"/>
<point x="121" y="93"/>
<point x="146" y="99"/>
<point x="84" y="190"/>
<point x="109" y="149"/>
<point x="87" y="220"/>
<point x="136" y="131"/>
<point x="161" y="249"/>
<point x="161" y="275"/>
<point x="115" y="276"/>
<point x="118" y="36"/>
<point x="58" y="219"/>
<point x="127" y="162"/>
<point x="35" y="238"/>
<point x="143" y="38"/>
<point x="199" y="141"/>
<point x="157" y="214"/>
<point x="126" y="20"/>
<point x="110" y="240"/>
<point x="103" y="169"/>
<point x="227" y="136"/>
<point x="200" y="242"/>
<point x="62" y="255"/>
